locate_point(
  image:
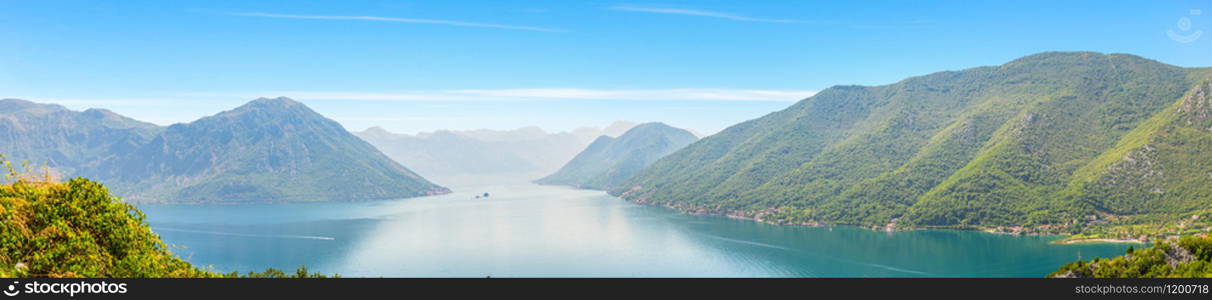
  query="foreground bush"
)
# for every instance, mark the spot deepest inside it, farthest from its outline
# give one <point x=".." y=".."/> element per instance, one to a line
<point x="1190" y="257"/>
<point x="77" y="229"/>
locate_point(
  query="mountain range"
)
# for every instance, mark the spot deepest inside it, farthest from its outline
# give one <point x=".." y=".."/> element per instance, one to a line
<point x="609" y="160"/>
<point x="268" y="150"/>
<point x="462" y="156"/>
<point x="1044" y="141"/>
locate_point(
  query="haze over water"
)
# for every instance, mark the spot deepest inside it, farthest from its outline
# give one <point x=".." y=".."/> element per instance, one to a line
<point x="530" y="230"/>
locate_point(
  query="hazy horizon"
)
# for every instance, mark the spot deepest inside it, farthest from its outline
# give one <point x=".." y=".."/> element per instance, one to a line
<point x="421" y="67"/>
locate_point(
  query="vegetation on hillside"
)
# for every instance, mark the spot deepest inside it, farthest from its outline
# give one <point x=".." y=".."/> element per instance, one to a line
<point x="1189" y="257"/>
<point x="301" y="272"/>
<point x="1028" y="146"/>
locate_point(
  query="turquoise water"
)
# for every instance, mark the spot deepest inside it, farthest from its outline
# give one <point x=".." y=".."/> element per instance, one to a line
<point x="530" y="230"/>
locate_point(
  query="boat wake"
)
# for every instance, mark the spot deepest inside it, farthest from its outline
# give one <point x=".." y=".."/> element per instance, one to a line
<point x="280" y="236"/>
<point x="880" y="266"/>
<point x="748" y="242"/>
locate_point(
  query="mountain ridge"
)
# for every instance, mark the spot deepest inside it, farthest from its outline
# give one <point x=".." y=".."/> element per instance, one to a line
<point x="267" y="150"/>
<point x="980" y="147"/>
<point x="519" y="155"/>
<point x="609" y="160"/>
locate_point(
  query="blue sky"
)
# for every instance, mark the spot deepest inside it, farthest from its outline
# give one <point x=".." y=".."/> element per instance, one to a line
<point x="422" y="65"/>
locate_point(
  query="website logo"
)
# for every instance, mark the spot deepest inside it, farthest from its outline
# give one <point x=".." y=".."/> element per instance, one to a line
<point x="1184" y="26"/>
<point x="12" y="290"/>
<point x="69" y="288"/>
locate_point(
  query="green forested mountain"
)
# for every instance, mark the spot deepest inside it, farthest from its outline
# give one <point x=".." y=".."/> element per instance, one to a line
<point x="269" y="150"/>
<point x="1042" y="141"/>
<point x="609" y="161"/>
<point x="1163" y="165"/>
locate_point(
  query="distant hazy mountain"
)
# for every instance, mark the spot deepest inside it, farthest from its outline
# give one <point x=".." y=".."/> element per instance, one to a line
<point x="269" y="150"/>
<point x="443" y="154"/>
<point x="452" y="157"/>
<point x="1049" y="139"/>
<point x="609" y="161"/>
<point x="70" y="140"/>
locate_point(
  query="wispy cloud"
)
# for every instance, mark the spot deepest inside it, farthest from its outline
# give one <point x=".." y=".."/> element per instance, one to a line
<point x="221" y="99"/>
<point x="653" y="94"/>
<point x="397" y="20"/>
<point x="83" y="103"/>
<point x="700" y="13"/>
<point x="554" y="94"/>
<point x="915" y="24"/>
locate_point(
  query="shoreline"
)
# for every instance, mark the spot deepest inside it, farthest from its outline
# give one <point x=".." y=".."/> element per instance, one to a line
<point x="1064" y="238"/>
<point x="1098" y="241"/>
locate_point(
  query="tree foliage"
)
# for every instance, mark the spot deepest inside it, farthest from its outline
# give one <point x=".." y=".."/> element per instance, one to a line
<point x="1189" y="257"/>
<point x="76" y="228"/>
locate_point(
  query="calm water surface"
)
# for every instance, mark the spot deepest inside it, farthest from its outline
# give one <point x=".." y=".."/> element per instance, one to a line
<point x="532" y="230"/>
